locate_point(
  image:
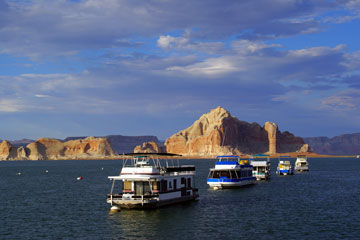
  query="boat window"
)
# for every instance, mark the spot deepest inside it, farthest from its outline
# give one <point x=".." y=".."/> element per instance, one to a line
<point x="189" y="182"/>
<point x="218" y="174"/>
<point x="170" y="186"/>
<point x="233" y="174"/>
<point x="175" y="186"/>
<point x="183" y="181"/>
<point x="156" y="185"/>
<point x="127" y="186"/>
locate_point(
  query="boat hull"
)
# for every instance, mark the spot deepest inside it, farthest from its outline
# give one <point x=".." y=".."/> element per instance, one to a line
<point x="150" y="204"/>
<point x="260" y="177"/>
<point x="284" y="172"/>
<point x="230" y="183"/>
<point x="301" y="169"/>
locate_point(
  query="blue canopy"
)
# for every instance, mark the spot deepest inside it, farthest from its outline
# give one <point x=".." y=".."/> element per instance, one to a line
<point x="260" y="155"/>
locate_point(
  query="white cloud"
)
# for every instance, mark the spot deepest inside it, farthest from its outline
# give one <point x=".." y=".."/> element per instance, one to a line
<point x="10" y="106"/>
<point x="347" y="100"/>
<point x="210" y="67"/>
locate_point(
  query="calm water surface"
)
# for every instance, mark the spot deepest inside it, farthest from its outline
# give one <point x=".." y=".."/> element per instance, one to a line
<point x="323" y="203"/>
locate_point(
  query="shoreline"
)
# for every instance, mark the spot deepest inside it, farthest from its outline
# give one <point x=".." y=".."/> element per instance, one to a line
<point x="121" y="157"/>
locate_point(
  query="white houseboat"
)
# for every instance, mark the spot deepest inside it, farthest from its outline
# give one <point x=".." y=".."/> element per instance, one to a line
<point x="148" y="184"/>
<point x="261" y="166"/>
<point x="230" y="172"/>
<point x="301" y="163"/>
<point x="284" y="167"/>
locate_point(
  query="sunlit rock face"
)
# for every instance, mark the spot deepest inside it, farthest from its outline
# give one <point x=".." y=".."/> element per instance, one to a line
<point x="219" y="133"/>
<point x="149" y="147"/>
<point x="52" y="149"/>
<point x="7" y="151"/>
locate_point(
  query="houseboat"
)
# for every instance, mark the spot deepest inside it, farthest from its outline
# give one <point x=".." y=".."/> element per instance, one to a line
<point x="261" y="166"/>
<point x="230" y="172"/>
<point x="146" y="183"/>
<point x="284" y="167"/>
<point x="301" y="163"/>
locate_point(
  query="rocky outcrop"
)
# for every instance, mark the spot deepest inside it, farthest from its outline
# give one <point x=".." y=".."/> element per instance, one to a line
<point x="124" y="144"/>
<point x="7" y="151"/>
<point x="271" y="129"/>
<point x="149" y="147"/>
<point x="345" y="144"/>
<point x="219" y="133"/>
<point x="52" y="149"/>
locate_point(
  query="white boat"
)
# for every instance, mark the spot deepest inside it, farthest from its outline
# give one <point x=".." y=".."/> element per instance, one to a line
<point x="358" y="156"/>
<point x="301" y="163"/>
<point x="230" y="172"/>
<point x="148" y="184"/>
<point x="261" y="166"/>
<point x="284" y="167"/>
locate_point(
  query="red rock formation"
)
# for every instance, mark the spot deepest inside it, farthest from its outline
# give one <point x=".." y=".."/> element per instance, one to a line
<point x="219" y="133"/>
<point x="271" y="129"/>
<point x="148" y="147"/>
<point x="7" y="151"/>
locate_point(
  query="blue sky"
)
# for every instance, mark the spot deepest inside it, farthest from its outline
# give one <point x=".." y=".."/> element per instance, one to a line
<point x="153" y="67"/>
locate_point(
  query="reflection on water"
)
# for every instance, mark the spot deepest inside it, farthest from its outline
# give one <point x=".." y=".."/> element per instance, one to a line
<point x="163" y="223"/>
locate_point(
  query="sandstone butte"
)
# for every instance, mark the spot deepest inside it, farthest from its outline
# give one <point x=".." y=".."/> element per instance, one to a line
<point x="219" y="133"/>
<point x="54" y="149"/>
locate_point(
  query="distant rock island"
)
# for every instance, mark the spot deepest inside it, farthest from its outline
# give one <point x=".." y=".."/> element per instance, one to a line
<point x="124" y="144"/>
<point x="346" y="144"/>
<point x="219" y="133"/>
<point x="54" y="149"/>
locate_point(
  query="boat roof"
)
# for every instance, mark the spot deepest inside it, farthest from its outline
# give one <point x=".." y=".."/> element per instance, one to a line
<point x="260" y="155"/>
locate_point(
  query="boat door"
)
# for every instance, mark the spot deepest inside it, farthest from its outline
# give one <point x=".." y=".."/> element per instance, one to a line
<point x="139" y="188"/>
<point x="142" y="188"/>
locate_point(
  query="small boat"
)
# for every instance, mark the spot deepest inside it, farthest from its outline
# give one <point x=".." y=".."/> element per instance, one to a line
<point x="148" y="184"/>
<point x="284" y="167"/>
<point x="230" y="172"/>
<point x="301" y="163"/>
<point x="261" y="166"/>
<point x="358" y="156"/>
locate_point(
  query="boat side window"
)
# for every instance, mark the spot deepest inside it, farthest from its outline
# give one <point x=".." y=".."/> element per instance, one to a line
<point x="189" y="182"/>
<point x="183" y="181"/>
<point x="175" y="185"/>
<point x="170" y="184"/>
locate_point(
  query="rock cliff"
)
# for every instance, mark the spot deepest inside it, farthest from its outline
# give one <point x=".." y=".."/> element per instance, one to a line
<point x="124" y="144"/>
<point x="345" y="144"/>
<point x="149" y="147"/>
<point x="219" y="133"/>
<point x="52" y="149"/>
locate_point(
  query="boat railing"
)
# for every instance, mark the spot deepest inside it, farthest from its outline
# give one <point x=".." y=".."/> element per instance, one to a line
<point x="119" y="196"/>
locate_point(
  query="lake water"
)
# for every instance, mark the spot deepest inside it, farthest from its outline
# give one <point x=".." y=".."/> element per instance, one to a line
<point x="320" y="204"/>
